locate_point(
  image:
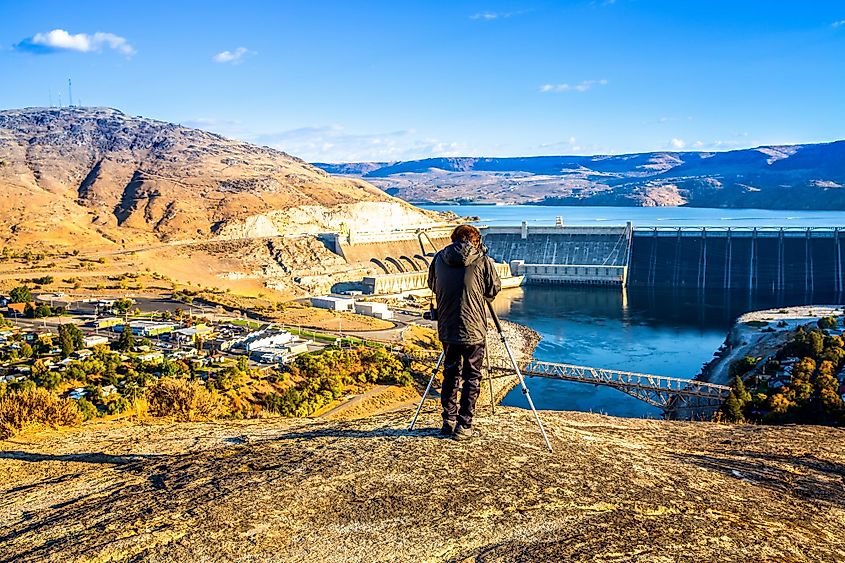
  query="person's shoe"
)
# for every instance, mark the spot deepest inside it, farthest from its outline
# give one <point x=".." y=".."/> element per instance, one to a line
<point x="448" y="427"/>
<point x="464" y="433"/>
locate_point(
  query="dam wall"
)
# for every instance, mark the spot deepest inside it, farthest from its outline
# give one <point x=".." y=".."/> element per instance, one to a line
<point x="770" y="259"/>
<point x="562" y="254"/>
<point x="390" y="252"/>
<point x="388" y="284"/>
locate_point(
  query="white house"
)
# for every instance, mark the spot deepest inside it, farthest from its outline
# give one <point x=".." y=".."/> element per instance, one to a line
<point x="94" y="340"/>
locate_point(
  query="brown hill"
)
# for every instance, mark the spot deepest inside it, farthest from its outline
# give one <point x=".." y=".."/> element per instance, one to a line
<point x="369" y="490"/>
<point x="95" y="177"/>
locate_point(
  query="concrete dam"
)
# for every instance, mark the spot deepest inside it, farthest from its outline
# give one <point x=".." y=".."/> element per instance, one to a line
<point x="772" y="259"/>
<point x="765" y="259"/>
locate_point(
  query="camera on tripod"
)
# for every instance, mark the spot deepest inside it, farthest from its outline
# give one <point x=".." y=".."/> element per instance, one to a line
<point x="430" y="315"/>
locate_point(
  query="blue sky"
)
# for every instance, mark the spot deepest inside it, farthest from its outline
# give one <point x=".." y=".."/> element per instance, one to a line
<point x="346" y="81"/>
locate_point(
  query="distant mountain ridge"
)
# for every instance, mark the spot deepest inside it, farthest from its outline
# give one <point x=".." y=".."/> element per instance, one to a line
<point x="810" y="176"/>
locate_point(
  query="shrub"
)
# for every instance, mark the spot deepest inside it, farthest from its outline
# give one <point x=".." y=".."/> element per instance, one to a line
<point x="34" y="407"/>
<point x="827" y="322"/>
<point x="184" y="400"/>
<point x="87" y="409"/>
<point x="742" y="366"/>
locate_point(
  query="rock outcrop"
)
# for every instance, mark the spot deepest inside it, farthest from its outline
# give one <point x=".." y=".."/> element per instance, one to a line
<point x="369" y="490"/>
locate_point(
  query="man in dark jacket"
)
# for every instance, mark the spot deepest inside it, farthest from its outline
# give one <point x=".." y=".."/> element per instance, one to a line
<point x="462" y="278"/>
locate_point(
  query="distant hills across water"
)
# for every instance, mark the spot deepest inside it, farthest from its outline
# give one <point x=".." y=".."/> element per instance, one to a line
<point x="809" y="176"/>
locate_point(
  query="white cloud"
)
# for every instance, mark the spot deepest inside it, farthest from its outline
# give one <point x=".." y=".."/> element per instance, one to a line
<point x="839" y="23"/>
<point x="489" y="16"/>
<point x="61" y="40"/>
<point x="234" y="57"/>
<point x="582" y="86"/>
<point x="336" y="144"/>
<point x="678" y="143"/>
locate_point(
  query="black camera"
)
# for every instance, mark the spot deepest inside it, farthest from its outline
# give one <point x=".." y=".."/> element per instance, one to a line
<point x="430" y="315"/>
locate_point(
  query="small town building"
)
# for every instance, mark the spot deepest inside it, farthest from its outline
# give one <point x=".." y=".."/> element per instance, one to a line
<point x="151" y="357"/>
<point x="17" y="309"/>
<point x="150" y="328"/>
<point x="333" y="303"/>
<point x="373" y="309"/>
<point x="105" y="322"/>
<point x="269" y="340"/>
<point x="191" y="334"/>
<point x="94" y="340"/>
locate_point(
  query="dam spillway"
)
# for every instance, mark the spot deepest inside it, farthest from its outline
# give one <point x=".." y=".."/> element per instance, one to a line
<point x="766" y="259"/>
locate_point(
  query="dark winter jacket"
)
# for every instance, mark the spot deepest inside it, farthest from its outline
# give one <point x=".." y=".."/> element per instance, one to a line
<point x="462" y="278"/>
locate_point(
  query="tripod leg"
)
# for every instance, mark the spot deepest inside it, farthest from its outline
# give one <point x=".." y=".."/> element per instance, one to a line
<point x="489" y="378"/>
<point x="518" y="373"/>
<point x="427" y="389"/>
<point x="525" y="390"/>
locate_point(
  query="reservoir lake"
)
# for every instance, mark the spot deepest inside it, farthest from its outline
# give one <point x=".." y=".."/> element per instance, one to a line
<point x="661" y="331"/>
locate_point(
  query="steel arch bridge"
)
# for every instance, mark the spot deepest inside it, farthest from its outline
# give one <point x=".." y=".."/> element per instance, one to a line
<point x="670" y="394"/>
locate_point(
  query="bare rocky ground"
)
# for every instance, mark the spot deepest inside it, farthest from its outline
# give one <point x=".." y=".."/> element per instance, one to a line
<point x="368" y="490"/>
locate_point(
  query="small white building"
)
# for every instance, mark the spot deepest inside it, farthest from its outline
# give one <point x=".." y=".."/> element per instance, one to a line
<point x="151" y="357"/>
<point x="373" y="309"/>
<point x="94" y="340"/>
<point x="270" y="340"/>
<point x="77" y="393"/>
<point x="333" y="303"/>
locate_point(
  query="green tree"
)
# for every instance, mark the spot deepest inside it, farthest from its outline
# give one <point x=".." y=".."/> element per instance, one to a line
<point x="126" y="340"/>
<point x="123" y="305"/>
<point x="827" y="322"/>
<point x="20" y="294"/>
<point x="38" y="369"/>
<point x="26" y="350"/>
<point x="732" y="408"/>
<point x="70" y="339"/>
<point x="815" y="343"/>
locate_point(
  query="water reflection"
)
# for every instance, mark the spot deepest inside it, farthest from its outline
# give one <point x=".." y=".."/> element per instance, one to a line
<point x="669" y="332"/>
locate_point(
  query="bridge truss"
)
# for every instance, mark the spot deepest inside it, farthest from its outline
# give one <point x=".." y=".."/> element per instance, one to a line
<point x="673" y="395"/>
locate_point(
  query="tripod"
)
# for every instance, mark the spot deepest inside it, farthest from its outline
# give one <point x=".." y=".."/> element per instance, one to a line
<point x="515" y="368"/>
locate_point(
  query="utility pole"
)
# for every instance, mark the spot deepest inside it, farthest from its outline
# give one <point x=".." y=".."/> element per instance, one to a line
<point x="69" y="94"/>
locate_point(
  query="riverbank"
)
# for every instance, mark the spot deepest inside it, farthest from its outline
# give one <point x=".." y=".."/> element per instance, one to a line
<point x="760" y="334"/>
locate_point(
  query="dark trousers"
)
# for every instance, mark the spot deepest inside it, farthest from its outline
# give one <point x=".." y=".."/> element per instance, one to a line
<point x="461" y="368"/>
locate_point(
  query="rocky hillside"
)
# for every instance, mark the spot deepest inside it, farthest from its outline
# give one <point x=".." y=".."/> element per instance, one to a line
<point x="775" y="177"/>
<point x="94" y="177"/>
<point x="368" y="490"/>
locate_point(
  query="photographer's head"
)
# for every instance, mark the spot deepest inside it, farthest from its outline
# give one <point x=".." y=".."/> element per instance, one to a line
<point x="467" y="233"/>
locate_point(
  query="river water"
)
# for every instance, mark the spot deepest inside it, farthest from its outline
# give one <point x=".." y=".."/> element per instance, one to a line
<point x="666" y="332"/>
